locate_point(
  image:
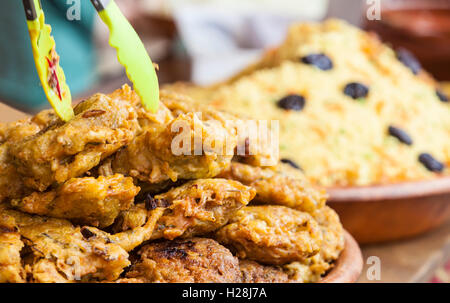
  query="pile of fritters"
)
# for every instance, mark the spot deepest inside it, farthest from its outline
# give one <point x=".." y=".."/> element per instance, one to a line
<point x="103" y="198"/>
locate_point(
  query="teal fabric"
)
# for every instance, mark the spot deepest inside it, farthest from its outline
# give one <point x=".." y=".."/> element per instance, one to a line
<point x="19" y="83"/>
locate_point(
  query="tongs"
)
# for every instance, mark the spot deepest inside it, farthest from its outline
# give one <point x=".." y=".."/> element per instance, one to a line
<point x="131" y="54"/>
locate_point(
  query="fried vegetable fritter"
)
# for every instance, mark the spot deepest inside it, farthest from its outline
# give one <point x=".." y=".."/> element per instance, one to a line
<point x="129" y="239"/>
<point x="11" y="270"/>
<point x="282" y="185"/>
<point x="177" y="142"/>
<point x="90" y="201"/>
<point x="273" y="235"/>
<point x="199" y="207"/>
<point x="253" y="272"/>
<point x="19" y="130"/>
<point x="195" y="208"/>
<point x="101" y="126"/>
<point x="332" y="233"/>
<point x="11" y="184"/>
<point x="60" y="251"/>
<point x="90" y="170"/>
<point x="251" y="152"/>
<point x="184" y="148"/>
<point x="131" y="218"/>
<point x="312" y="269"/>
<point x="195" y="260"/>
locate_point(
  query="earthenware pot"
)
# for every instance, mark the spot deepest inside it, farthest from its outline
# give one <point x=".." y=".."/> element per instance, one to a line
<point x="374" y="214"/>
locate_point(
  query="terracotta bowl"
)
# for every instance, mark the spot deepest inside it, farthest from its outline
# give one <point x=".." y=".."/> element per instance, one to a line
<point x="349" y="265"/>
<point x="383" y="213"/>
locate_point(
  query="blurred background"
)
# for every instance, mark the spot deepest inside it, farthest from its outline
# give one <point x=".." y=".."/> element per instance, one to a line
<point x="205" y="41"/>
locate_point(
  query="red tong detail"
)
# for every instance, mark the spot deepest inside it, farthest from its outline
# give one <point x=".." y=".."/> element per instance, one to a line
<point x="53" y="78"/>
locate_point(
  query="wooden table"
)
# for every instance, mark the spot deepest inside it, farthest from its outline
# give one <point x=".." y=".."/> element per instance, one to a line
<point x="7" y="114"/>
<point x="414" y="260"/>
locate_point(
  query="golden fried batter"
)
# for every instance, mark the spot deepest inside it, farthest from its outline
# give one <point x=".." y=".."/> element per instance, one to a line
<point x="91" y="201"/>
<point x="3" y="130"/>
<point x="312" y="269"/>
<point x="254" y="154"/>
<point x="131" y="218"/>
<point x="301" y="272"/>
<point x="61" y="251"/>
<point x="282" y="185"/>
<point x="129" y="239"/>
<point x="11" y="270"/>
<point x="195" y="260"/>
<point x="199" y="207"/>
<point x="332" y="233"/>
<point x="66" y="150"/>
<point x="184" y="148"/>
<point x="151" y="157"/>
<point x="11" y="184"/>
<point x="90" y="171"/>
<point x="272" y="234"/>
<point x="253" y="272"/>
<point x="19" y="130"/>
<point x="195" y="208"/>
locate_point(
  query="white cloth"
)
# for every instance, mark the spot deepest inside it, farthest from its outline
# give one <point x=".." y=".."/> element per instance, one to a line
<point x="223" y="38"/>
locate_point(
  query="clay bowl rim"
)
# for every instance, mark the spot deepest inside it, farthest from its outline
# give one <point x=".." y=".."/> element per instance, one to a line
<point x="348" y="266"/>
<point x="395" y="191"/>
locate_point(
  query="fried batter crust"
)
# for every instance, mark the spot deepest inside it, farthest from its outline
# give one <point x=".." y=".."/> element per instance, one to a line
<point x="195" y="208"/>
<point x="11" y="184"/>
<point x="273" y="235"/>
<point x="60" y="252"/>
<point x="154" y="156"/>
<point x="312" y="269"/>
<point x="195" y="260"/>
<point x="134" y="217"/>
<point x="129" y="239"/>
<point x="11" y="270"/>
<point x="101" y="126"/>
<point x="183" y="104"/>
<point x="150" y="157"/>
<point x="3" y="130"/>
<point x="90" y="201"/>
<point x="281" y="185"/>
<point x="199" y="207"/>
<point x="332" y="233"/>
<point x="253" y="272"/>
<point x="19" y="130"/>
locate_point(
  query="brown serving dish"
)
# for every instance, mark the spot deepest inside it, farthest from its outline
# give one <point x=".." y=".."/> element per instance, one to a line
<point x="421" y="26"/>
<point x="382" y="213"/>
<point x="349" y="265"/>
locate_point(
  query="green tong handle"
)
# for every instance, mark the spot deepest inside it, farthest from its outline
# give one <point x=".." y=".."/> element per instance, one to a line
<point x="47" y="60"/>
<point x="131" y="53"/>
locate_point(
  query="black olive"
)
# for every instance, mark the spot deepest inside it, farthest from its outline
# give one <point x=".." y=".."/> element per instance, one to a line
<point x="356" y="90"/>
<point x="431" y="163"/>
<point x="409" y="60"/>
<point x="292" y="102"/>
<point x="443" y="97"/>
<point x="400" y="134"/>
<point x="320" y="61"/>
<point x="291" y="163"/>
